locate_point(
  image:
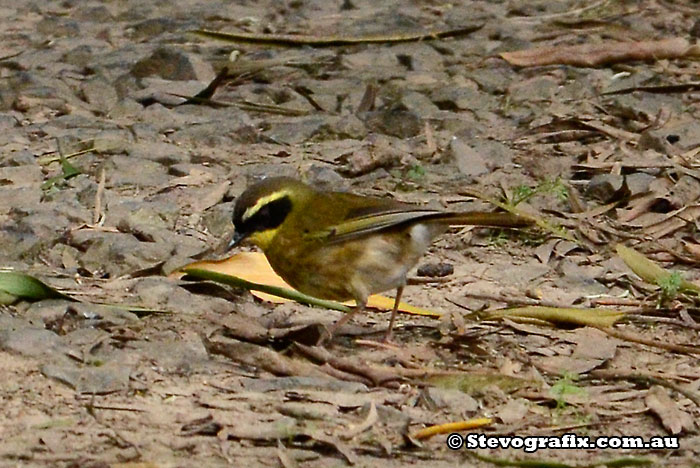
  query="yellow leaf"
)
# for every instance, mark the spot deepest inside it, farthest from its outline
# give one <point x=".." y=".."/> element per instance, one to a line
<point x="448" y="428"/>
<point x="254" y="267"/>
<point x="568" y="315"/>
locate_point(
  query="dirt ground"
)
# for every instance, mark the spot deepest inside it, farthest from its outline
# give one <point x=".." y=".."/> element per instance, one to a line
<point x="596" y="140"/>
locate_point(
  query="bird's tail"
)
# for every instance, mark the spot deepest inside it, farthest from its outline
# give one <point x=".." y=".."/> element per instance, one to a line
<point x="478" y="218"/>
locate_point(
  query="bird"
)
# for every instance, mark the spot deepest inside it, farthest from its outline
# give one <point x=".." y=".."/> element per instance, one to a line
<point x="342" y="246"/>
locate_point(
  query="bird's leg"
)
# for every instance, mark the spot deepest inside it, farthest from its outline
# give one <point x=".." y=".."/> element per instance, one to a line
<point x="359" y="307"/>
<point x="399" y="292"/>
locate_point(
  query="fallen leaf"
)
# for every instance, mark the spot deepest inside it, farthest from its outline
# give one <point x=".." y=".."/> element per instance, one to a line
<point x="513" y="411"/>
<point x="593" y="55"/>
<point x="673" y="418"/>
<point x="448" y="428"/>
<point x="650" y="271"/>
<point x="15" y="285"/>
<point x="565" y="315"/>
<point x="254" y="267"/>
<point x="368" y="422"/>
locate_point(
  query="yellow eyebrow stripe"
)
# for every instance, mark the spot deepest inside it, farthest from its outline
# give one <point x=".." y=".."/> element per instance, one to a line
<point x="262" y="202"/>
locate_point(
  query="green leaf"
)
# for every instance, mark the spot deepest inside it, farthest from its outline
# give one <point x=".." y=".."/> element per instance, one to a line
<point x="15" y="286"/>
<point x="274" y="290"/>
<point x="653" y="273"/>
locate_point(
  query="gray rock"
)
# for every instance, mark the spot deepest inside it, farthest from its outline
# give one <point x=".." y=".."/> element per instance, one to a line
<point x="418" y="57"/>
<point x="56" y="26"/>
<point x="173" y="64"/>
<point x="116" y="254"/>
<point x="295" y="130"/>
<point x="603" y="187"/>
<point x="19" y="198"/>
<point x="152" y="27"/>
<point x="163" y="153"/>
<point x="8" y="120"/>
<point x="395" y="121"/>
<point x="166" y="294"/>
<point x="100" y="94"/>
<point x="444" y="398"/>
<point x="470" y="162"/>
<point x="325" y="178"/>
<point x="21" y="176"/>
<point x="109" y="378"/>
<point x="121" y="170"/>
<point x="217" y="220"/>
<point x="98" y="14"/>
<point x="29" y="341"/>
<point x="673" y="138"/>
<point x="18" y="158"/>
<point x="235" y="129"/>
<point x="348" y="126"/>
<point x="177" y="356"/>
<point x="80" y="56"/>
<point x="461" y="98"/>
<point x="419" y="104"/>
<point x="490" y="80"/>
<point x="136" y="214"/>
<point x="126" y="109"/>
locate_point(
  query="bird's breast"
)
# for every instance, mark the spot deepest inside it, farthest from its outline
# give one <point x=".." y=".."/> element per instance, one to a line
<point x="353" y="269"/>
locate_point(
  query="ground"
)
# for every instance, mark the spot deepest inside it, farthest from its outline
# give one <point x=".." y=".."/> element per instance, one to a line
<point x="601" y="151"/>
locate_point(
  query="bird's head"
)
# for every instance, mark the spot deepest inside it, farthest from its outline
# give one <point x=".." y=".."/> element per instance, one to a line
<point x="263" y="207"/>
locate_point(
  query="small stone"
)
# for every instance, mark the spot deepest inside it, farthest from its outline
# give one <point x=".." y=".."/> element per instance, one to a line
<point x="7" y="120"/>
<point x="349" y="126"/>
<point x="695" y="30"/>
<point x="108" y="378"/>
<point x="80" y="56"/>
<point x="116" y="254"/>
<point x="18" y="158"/>
<point x="97" y="14"/>
<point x="121" y="170"/>
<point x="55" y="26"/>
<point x="435" y="270"/>
<point x="29" y="341"/>
<point x="152" y="27"/>
<point x="420" y="104"/>
<point x="295" y="130"/>
<point x="469" y="161"/>
<point x="603" y="187"/>
<point x="461" y="98"/>
<point x="172" y="64"/>
<point x="99" y="94"/>
<point x="396" y="121"/>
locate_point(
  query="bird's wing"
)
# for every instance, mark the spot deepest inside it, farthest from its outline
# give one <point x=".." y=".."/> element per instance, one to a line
<point x="371" y="215"/>
<point x="377" y="215"/>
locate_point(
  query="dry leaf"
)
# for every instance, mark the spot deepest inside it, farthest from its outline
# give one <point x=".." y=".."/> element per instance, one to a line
<point x="650" y="271"/>
<point x="673" y="418"/>
<point x="593" y="55"/>
<point x="591" y="317"/>
<point x="452" y="427"/>
<point x="368" y="422"/>
<point x="254" y="267"/>
<point x="593" y="348"/>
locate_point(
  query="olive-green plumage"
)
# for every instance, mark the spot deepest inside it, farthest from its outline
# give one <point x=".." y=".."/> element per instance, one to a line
<point x="340" y="246"/>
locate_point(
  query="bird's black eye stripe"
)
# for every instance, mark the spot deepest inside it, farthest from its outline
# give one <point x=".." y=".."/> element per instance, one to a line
<point x="269" y="216"/>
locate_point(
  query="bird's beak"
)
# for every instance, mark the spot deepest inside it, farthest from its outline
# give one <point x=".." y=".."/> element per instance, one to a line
<point x="236" y="240"/>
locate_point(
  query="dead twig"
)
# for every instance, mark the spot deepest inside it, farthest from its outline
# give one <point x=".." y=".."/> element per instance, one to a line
<point x="608" y="374"/>
<point x="377" y="375"/>
<point x="676" y="348"/>
<point x="332" y="41"/>
<point x="98" y="215"/>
